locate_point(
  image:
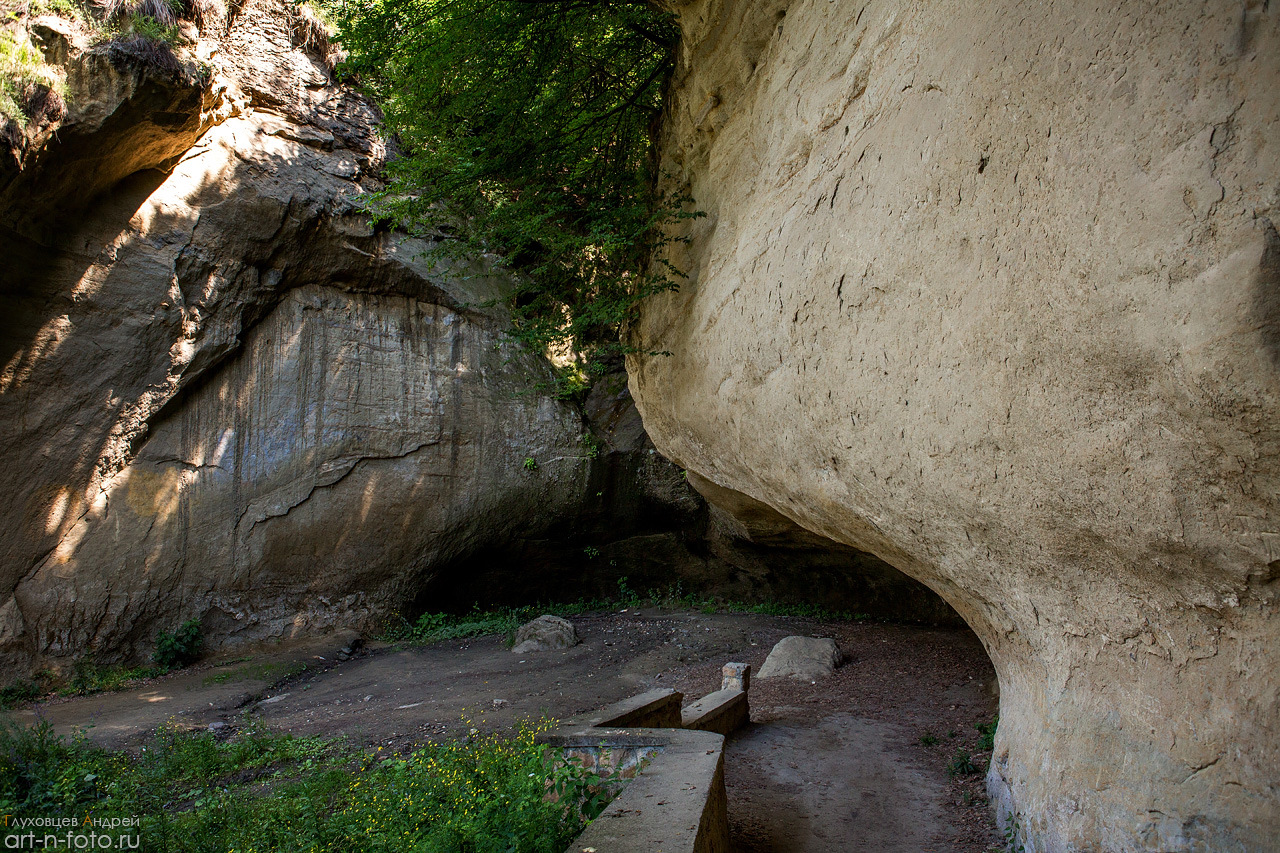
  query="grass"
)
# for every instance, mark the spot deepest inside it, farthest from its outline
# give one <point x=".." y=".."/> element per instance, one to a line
<point x="434" y="627"/>
<point x="269" y="672"/>
<point x="88" y="677"/>
<point x="25" y="79"/>
<point x="260" y="791"/>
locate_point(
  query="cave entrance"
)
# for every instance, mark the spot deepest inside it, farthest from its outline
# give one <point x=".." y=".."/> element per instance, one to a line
<point x="886" y="754"/>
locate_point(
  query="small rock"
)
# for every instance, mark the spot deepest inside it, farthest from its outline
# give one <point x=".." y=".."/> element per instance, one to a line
<point x="735" y="676"/>
<point x="499" y="703"/>
<point x="367" y="698"/>
<point x="274" y="699"/>
<point x="217" y="727"/>
<point x="805" y="658"/>
<point x="545" y="634"/>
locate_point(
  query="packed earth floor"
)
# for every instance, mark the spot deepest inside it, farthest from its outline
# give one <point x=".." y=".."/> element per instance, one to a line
<point x="865" y="760"/>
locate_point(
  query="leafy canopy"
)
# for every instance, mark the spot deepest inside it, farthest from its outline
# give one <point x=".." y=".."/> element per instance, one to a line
<point x="527" y="125"/>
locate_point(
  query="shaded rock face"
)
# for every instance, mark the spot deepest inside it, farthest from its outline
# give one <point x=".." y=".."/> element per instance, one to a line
<point x="224" y="396"/>
<point x="991" y="291"/>
<point x="644" y="526"/>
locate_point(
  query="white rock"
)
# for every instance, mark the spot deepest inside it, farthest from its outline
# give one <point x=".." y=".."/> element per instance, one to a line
<point x="804" y="658"/>
<point x="545" y="634"/>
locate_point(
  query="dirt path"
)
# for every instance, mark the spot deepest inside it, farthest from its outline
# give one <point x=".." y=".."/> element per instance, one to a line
<point x="833" y="766"/>
<point x="838" y="784"/>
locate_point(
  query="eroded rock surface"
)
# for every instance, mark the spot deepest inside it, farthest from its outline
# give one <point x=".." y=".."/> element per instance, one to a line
<point x="224" y="396"/>
<point x="992" y="291"/>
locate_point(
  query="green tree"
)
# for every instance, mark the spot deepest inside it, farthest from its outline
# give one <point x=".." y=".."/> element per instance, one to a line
<point x="528" y="127"/>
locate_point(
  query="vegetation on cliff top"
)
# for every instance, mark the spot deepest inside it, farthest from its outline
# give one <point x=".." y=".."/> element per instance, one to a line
<point x="528" y="128"/>
<point x="27" y="84"/>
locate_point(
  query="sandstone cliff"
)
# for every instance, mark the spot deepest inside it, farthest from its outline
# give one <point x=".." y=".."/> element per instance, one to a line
<point x="223" y="396"/>
<point x="992" y="291"/>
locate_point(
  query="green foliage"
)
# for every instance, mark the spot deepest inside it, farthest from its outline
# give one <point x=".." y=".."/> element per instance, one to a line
<point x="22" y="69"/>
<point x="179" y="648"/>
<point x="62" y="8"/>
<point x="432" y="627"/>
<point x="42" y="772"/>
<point x="626" y="594"/>
<point x="264" y="791"/>
<point x="962" y="764"/>
<point x="528" y="132"/>
<point x="24" y="689"/>
<point x="152" y="29"/>
<point x="89" y="677"/>
<point x="530" y="464"/>
<point x="987" y="741"/>
<point x="164" y="13"/>
<point x="1012" y="833"/>
<point x="272" y="673"/>
<point x="928" y="739"/>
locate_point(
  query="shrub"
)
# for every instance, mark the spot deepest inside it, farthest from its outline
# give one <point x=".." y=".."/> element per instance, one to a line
<point x="62" y="8"/>
<point x="179" y="648"/>
<point x="88" y="677"/>
<point x="22" y="689"/>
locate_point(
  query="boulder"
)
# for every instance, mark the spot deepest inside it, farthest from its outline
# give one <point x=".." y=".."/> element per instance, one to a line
<point x="805" y="658"/>
<point x="545" y="634"/>
<point x="990" y="289"/>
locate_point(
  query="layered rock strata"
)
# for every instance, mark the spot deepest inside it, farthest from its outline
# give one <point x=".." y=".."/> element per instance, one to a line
<point x="992" y="291"/>
<point x="226" y="397"/>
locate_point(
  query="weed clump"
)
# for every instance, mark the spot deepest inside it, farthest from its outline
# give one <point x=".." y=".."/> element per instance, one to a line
<point x="180" y="648"/>
<point x="962" y="764"/>
<point x="987" y="741"/>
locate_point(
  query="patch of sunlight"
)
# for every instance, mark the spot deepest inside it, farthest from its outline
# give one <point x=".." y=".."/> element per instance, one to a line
<point x="45" y="344"/>
<point x="58" y="510"/>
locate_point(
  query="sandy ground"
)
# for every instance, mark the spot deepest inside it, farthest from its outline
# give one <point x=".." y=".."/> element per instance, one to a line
<point x="833" y="766"/>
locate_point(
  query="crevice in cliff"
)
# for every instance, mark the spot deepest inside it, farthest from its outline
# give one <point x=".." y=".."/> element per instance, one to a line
<point x="339" y="470"/>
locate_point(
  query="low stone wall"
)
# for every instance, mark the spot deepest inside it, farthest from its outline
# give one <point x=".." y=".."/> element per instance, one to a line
<point x="675" y="800"/>
<point x="677" y="804"/>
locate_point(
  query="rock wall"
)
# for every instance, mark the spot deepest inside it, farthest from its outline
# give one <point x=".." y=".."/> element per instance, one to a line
<point x="645" y="525"/>
<point x="991" y="290"/>
<point x="224" y="396"/>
